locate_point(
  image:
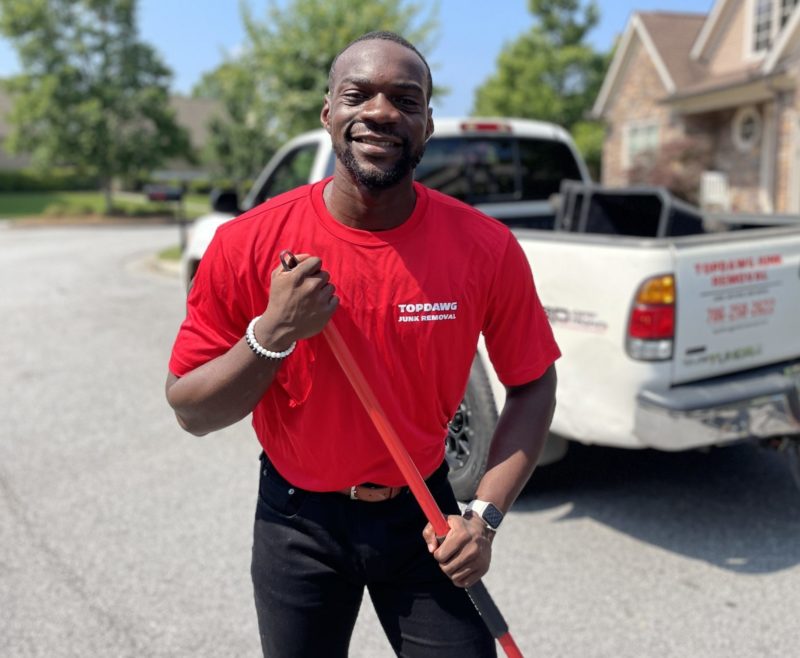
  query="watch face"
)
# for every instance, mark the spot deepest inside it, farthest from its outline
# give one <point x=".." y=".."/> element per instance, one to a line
<point x="492" y="516"/>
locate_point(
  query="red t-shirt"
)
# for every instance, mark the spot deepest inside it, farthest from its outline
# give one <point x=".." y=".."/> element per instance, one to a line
<point x="413" y="301"/>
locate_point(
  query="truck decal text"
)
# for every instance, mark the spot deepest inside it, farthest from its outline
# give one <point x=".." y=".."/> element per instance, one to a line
<point x="738" y="271"/>
<point x="575" y="319"/>
<point x="719" y="358"/>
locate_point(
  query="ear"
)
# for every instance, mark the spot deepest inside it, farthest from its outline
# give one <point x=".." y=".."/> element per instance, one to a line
<point x="429" y="128"/>
<point x="324" y="115"/>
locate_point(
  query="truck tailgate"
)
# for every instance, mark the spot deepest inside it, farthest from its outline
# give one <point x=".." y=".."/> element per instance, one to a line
<point x="738" y="302"/>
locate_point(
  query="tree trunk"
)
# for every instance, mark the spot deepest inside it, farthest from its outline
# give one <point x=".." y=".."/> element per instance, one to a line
<point x="108" y="195"/>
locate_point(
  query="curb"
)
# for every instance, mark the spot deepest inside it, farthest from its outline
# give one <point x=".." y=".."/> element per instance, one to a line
<point x="171" y="268"/>
<point x="89" y="220"/>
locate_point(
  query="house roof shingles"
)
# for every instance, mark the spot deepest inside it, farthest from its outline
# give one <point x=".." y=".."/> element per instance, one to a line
<point x="673" y="34"/>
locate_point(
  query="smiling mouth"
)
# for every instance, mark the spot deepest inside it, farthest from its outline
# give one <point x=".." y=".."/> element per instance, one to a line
<point x="376" y="138"/>
<point x="375" y="142"/>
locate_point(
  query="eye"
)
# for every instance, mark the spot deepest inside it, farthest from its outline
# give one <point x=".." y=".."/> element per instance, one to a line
<point x="407" y="102"/>
<point x="353" y="97"/>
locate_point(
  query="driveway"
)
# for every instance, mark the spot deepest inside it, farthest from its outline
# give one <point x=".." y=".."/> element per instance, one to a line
<point x="123" y="536"/>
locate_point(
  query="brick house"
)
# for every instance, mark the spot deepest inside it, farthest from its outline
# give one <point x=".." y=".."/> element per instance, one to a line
<point x="731" y="77"/>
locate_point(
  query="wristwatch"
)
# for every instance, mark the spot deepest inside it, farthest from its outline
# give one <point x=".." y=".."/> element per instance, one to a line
<point x="490" y="515"/>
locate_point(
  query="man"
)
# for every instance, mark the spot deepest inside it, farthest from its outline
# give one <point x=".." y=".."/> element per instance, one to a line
<point x="333" y="515"/>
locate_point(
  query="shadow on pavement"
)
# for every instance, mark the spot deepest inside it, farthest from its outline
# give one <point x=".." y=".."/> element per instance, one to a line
<point x="734" y="507"/>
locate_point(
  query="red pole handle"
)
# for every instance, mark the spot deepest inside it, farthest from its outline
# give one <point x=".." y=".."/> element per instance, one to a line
<point x="400" y="455"/>
<point x="478" y="593"/>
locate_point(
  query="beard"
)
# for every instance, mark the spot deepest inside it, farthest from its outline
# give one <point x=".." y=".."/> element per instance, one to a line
<point x="378" y="179"/>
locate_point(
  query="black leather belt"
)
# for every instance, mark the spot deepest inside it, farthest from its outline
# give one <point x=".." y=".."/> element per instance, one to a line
<point x="372" y="493"/>
<point x="367" y="492"/>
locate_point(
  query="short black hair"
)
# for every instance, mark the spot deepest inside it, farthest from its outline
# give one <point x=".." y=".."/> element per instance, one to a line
<point x="383" y="35"/>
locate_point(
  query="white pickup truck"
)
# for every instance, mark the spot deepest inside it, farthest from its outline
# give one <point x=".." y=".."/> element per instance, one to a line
<point x="673" y="338"/>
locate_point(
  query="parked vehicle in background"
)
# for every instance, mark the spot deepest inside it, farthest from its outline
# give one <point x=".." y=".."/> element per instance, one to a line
<point x="673" y="338"/>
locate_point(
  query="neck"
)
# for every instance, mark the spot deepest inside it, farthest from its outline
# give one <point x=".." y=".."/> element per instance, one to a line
<point x="371" y="210"/>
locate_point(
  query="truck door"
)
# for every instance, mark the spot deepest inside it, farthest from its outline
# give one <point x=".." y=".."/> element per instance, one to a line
<point x="290" y="172"/>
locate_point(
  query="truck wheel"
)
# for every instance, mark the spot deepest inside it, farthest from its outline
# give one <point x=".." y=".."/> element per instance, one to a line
<point x="470" y="434"/>
<point x="794" y="460"/>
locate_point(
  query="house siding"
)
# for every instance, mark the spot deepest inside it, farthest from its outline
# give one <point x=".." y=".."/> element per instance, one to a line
<point x="635" y="99"/>
<point x="9" y="162"/>
<point x="788" y="110"/>
<point x="787" y="147"/>
<point x="742" y="168"/>
<point x="730" y="49"/>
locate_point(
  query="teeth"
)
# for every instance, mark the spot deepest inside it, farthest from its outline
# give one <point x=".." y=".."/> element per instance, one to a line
<point x="376" y="142"/>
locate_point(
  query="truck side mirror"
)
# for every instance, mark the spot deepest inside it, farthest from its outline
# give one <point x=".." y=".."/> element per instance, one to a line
<point x="225" y="201"/>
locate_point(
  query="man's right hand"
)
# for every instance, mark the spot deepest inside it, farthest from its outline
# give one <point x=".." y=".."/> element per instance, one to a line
<point x="227" y="388"/>
<point x="301" y="302"/>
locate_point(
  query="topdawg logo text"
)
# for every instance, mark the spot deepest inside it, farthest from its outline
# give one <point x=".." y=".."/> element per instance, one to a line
<point x="427" y="312"/>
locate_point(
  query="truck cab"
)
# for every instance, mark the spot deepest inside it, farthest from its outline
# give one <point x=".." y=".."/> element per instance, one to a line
<point x="508" y="168"/>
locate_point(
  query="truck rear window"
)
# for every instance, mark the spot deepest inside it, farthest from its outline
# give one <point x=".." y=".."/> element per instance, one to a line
<point x="496" y="169"/>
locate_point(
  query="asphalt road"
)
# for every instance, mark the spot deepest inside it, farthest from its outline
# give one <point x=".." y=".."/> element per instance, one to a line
<point x="122" y="536"/>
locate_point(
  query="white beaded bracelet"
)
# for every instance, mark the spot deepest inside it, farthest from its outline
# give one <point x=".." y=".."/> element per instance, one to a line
<point x="260" y="350"/>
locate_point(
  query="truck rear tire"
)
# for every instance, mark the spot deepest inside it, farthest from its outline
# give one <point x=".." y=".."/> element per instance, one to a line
<point x="470" y="434"/>
<point x="794" y="460"/>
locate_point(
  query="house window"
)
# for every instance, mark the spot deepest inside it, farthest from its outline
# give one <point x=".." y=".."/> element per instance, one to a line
<point x="786" y="10"/>
<point x="640" y="138"/>
<point x="746" y="128"/>
<point x="762" y="25"/>
<point x="769" y="18"/>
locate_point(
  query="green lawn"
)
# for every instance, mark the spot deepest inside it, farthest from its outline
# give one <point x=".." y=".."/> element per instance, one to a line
<point x="197" y="204"/>
<point x="26" y="204"/>
<point x="171" y="253"/>
<point x="55" y="204"/>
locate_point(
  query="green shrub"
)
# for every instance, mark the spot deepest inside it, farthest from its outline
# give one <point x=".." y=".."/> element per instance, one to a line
<point x="201" y="186"/>
<point x="55" y="210"/>
<point x="126" y="209"/>
<point x="28" y="180"/>
<point x="67" y="209"/>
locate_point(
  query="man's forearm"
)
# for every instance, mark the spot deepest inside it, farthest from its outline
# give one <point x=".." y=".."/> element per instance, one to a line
<point x="222" y="391"/>
<point x="521" y="431"/>
<point x="518" y="440"/>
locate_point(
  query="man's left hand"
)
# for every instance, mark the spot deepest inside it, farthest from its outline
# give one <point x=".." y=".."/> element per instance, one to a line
<point x="466" y="552"/>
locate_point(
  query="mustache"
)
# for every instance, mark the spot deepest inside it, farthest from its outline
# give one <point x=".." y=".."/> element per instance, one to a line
<point x="376" y="129"/>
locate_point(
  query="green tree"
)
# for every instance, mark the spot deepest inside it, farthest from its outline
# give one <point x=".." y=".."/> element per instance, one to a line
<point x="274" y="88"/>
<point x="91" y="96"/>
<point x="238" y="144"/>
<point x="551" y="73"/>
<point x="589" y="137"/>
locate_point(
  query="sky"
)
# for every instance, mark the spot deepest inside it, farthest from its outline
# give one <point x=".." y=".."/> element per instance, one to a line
<point x="193" y="38"/>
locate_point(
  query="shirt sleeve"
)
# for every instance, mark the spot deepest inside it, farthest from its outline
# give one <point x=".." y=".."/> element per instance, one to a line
<point x="215" y="319"/>
<point x="518" y="336"/>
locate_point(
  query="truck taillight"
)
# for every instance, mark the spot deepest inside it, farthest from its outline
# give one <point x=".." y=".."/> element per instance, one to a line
<point x="651" y="328"/>
<point x="485" y="127"/>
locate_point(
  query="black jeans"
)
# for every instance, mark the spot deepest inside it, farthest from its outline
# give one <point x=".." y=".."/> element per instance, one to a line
<point x="314" y="553"/>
